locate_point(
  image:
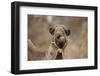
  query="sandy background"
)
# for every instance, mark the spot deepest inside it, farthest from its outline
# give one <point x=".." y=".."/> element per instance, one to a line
<point x="38" y="33"/>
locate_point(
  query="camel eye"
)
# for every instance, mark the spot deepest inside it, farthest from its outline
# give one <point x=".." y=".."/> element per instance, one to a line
<point x="67" y="32"/>
<point x="51" y="30"/>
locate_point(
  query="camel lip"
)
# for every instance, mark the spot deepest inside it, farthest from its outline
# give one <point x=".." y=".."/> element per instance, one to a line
<point x="61" y="45"/>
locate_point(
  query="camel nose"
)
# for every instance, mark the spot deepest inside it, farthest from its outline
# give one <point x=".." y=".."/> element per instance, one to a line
<point x="58" y="36"/>
<point x="62" y="38"/>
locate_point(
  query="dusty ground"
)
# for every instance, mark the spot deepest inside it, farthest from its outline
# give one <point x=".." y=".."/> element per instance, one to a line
<point x="38" y="33"/>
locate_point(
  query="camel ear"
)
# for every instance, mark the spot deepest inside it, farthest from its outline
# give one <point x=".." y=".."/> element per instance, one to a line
<point x="68" y="32"/>
<point x="51" y="30"/>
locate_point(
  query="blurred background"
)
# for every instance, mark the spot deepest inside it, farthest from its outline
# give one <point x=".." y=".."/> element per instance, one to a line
<point x="38" y="33"/>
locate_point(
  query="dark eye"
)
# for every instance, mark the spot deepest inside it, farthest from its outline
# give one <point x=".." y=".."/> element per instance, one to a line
<point x="51" y="30"/>
<point x="67" y="32"/>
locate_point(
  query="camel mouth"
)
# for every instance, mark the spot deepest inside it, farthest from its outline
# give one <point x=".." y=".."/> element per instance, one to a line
<point x="60" y="44"/>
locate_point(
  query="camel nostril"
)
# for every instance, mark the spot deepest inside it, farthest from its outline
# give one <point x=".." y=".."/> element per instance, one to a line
<point x="58" y="37"/>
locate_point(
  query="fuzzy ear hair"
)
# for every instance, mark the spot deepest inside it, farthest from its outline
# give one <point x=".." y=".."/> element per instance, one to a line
<point x="51" y="30"/>
<point x="68" y="32"/>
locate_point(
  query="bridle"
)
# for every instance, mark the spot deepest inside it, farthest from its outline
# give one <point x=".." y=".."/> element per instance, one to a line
<point x="59" y="50"/>
<point x="53" y="42"/>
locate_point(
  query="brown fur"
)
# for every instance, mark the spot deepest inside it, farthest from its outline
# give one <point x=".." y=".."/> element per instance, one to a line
<point x="56" y="51"/>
